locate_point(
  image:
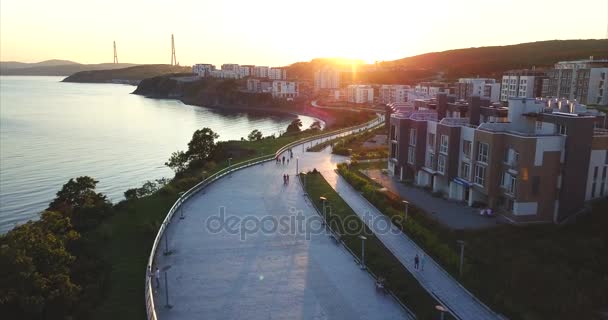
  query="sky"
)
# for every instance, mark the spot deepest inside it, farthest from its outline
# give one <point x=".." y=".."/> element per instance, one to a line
<point x="280" y="32"/>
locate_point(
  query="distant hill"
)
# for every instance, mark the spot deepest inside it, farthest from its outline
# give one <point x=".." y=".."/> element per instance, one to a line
<point x="53" y="68"/>
<point x="470" y="62"/>
<point x="493" y="61"/>
<point x="130" y="74"/>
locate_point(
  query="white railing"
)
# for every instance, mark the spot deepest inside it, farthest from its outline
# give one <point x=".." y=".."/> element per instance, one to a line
<point x="149" y="296"/>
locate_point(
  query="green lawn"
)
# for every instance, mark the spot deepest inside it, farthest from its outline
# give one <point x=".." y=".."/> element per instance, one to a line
<point x="378" y="258"/>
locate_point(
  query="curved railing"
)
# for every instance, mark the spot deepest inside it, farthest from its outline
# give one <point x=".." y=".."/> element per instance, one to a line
<point x="149" y="296"/>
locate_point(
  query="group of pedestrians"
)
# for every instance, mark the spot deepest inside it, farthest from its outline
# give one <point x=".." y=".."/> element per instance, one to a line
<point x="282" y="160"/>
<point x="285" y="179"/>
<point x="419" y="262"/>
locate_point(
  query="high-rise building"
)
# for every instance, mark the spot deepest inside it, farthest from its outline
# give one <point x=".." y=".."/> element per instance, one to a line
<point x="327" y="78"/>
<point x="584" y="81"/>
<point x="360" y="93"/>
<point x="393" y="93"/>
<point x="482" y="87"/>
<point x="523" y="83"/>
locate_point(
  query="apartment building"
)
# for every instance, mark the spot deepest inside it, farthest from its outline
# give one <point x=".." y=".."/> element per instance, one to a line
<point x="482" y="87"/>
<point x="537" y="161"/>
<point x="203" y="69"/>
<point x="277" y="74"/>
<point x="260" y="71"/>
<point x="326" y="77"/>
<point x="284" y="89"/>
<point x="523" y="83"/>
<point x="584" y="81"/>
<point x="393" y="93"/>
<point x="360" y="93"/>
<point x="431" y="89"/>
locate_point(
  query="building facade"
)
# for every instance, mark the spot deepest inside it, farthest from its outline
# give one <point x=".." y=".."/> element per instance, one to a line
<point x="277" y="74"/>
<point x="284" y="89"/>
<point x="482" y="87"/>
<point x="359" y="93"/>
<point x="393" y="93"/>
<point x="584" y="81"/>
<point x="522" y="84"/>
<point x="537" y="161"/>
<point x="326" y="78"/>
<point x="203" y="69"/>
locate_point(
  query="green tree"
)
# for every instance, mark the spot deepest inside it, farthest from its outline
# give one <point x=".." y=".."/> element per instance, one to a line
<point x="316" y="125"/>
<point x="294" y="126"/>
<point x="79" y="201"/>
<point x="178" y="161"/>
<point x="202" y="144"/>
<point x="255" y="135"/>
<point x="35" y="282"/>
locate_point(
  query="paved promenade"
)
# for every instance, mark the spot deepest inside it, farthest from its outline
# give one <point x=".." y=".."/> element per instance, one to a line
<point x="437" y="281"/>
<point x="278" y="275"/>
<point x="265" y="275"/>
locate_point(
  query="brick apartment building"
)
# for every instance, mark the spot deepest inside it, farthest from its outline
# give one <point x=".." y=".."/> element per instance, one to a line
<point x="537" y="161"/>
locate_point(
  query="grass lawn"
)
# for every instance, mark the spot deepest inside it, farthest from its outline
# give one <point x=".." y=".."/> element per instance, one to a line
<point x="378" y="258"/>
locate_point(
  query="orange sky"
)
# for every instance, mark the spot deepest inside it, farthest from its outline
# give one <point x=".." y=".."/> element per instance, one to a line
<point x="279" y="32"/>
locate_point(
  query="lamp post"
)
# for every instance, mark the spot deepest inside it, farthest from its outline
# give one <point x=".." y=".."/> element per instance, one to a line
<point x="363" y="238"/>
<point x="166" y="234"/>
<point x="167" y="304"/>
<point x="323" y="200"/>
<point x="181" y="210"/>
<point x="297" y="164"/>
<point x="407" y="209"/>
<point x="461" y="243"/>
<point x="441" y="309"/>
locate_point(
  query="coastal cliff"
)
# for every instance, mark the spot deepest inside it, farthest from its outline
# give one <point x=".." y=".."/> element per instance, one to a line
<point x="131" y="75"/>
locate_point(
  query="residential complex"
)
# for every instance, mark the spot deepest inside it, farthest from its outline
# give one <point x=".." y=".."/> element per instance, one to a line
<point x="583" y="81"/>
<point x="326" y="78"/>
<point x="284" y="89"/>
<point x="235" y="71"/>
<point x="482" y="87"/>
<point x="523" y="83"/>
<point x="360" y="93"/>
<point x="393" y="93"/>
<point x="537" y="161"/>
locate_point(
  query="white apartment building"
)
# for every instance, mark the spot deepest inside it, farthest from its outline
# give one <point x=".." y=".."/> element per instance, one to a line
<point x="284" y="89"/>
<point x="327" y="78"/>
<point x="521" y="84"/>
<point x="584" y="81"/>
<point x="394" y="93"/>
<point x="277" y="74"/>
<point x="260" y="71"/>
<point x="430" y="89"/>
<point x="359" y="93"/>
<point x="203" y="69"/>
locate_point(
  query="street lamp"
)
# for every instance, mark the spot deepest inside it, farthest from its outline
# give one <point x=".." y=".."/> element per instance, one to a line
<point x="461" y="243"/>
<point x="363" y="238"/>
<point x="441" y="309"/>
<point x="323" y="200"/>
<point x="407" y="209"/>
<point x="297" y="163"/>
<point x="167" y="304"/>
<point x="181" y="210"/>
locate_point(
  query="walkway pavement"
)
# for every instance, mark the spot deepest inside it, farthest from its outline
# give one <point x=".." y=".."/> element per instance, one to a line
<point x="264" y="274"/>
<point x="434" y="279"/>
<point x="452" y="214"/>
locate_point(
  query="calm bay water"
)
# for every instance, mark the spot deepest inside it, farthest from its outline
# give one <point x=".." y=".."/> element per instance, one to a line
<point x="52" y="131"/>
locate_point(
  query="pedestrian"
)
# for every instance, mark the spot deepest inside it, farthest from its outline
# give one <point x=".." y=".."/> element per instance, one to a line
<point x="288" y="161"/>
<point x="422" y="259"/>
<point x="287" y="178"/>
<point x="157" y="276"/>
<point x="416" y="261"/>
<point x="283" y="159"/>
<point x="284" y="179"/>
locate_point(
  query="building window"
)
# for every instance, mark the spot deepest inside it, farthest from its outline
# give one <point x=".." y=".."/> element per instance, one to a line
<point x="539" y="125"/>
<point x="480" y="175"/>
<point x="431" y="160"/>
<point x="561" y="129"/>
<point x="394" y="150"/>
<point x="535" y="185"/>
<point x="483" y="150"/>
<point x="431" y="141"/>
<point x="465" y="170"/>
<point x="411" y="154"/>
<point x="443" y="148"/>
<point x="441" y="163"/>
<point x="393" y="132"/>
<point x="510" y="183"/>
<point x="412" y="137"/>
<point x="466" y="148"/>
